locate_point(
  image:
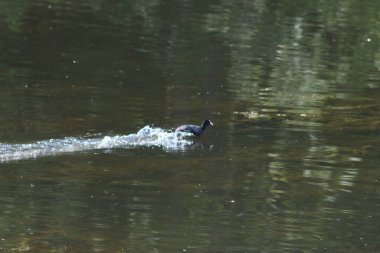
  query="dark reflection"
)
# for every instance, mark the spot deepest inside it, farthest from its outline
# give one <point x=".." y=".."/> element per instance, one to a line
<point x="199" y="145"/>
<point x="290" y="166"/>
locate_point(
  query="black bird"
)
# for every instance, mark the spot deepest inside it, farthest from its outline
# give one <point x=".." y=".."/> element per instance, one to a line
<point x="195" y="130"/>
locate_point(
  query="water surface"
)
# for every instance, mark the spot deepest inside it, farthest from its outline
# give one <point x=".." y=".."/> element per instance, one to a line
<point x="91" y="92"/>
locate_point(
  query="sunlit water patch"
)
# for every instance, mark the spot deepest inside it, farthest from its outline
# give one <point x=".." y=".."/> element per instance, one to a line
<point x="146" y="137"/>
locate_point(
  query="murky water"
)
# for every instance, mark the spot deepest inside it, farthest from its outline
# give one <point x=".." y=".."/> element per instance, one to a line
<point x="91" y="92"/>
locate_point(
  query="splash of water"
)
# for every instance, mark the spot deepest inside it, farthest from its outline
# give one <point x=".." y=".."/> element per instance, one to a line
<point x="145" y="137"/>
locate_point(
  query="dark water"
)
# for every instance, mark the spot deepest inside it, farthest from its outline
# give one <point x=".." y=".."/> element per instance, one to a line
<point x="291" y="165"/>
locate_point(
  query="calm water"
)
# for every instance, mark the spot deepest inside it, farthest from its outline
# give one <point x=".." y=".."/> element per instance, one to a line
<point x="90" y="92"/>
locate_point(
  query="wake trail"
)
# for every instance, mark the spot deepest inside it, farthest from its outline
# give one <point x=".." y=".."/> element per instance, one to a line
<point x="146" y="137"/>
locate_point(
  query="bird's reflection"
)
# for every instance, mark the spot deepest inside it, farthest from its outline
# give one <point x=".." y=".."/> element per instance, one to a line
<point x="199" y="145"/>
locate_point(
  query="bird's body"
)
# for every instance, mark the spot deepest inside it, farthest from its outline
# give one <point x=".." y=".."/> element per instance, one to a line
<point x="194" y="129"/>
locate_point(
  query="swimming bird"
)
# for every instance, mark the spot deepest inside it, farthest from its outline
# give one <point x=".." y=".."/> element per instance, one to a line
<point x="195" y="130"/>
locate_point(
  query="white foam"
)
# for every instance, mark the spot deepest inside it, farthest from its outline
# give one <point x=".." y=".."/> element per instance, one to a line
<point x="146" y="137"/>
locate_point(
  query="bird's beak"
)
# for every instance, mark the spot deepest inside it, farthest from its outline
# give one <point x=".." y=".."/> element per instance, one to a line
<point x="211" y="124"/>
